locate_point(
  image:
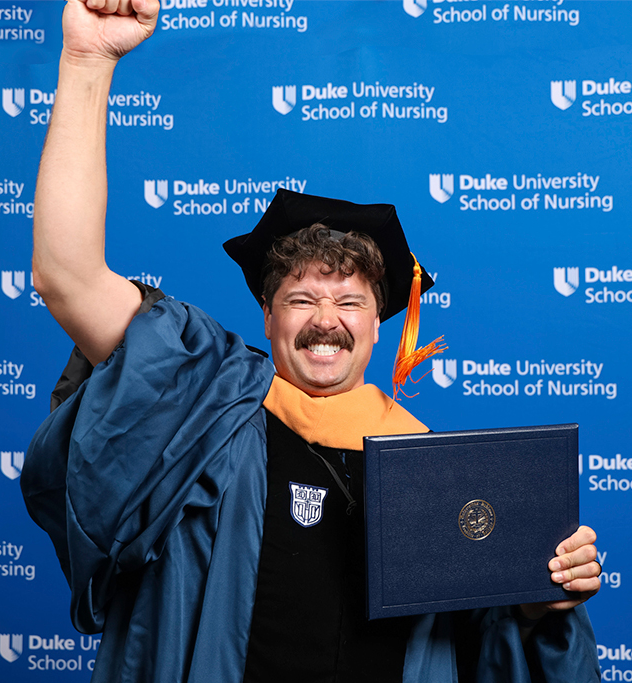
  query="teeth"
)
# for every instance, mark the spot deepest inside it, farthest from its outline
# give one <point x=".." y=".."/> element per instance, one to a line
<point x="324" y="349"/>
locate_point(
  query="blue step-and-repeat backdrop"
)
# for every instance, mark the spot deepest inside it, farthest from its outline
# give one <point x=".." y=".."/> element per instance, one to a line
<point x="500" y="130"/>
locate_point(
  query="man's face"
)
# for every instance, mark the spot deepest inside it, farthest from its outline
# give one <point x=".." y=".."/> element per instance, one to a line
<point x="322" y="329"/>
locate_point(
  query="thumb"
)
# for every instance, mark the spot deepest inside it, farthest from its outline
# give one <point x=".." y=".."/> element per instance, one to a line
<point x="146" y="12"/>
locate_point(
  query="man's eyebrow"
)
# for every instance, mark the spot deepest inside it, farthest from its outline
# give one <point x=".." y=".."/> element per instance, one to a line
<point x="298" y="292"/>
<point x="293" y="293"/>
<point x="353" y="295"/>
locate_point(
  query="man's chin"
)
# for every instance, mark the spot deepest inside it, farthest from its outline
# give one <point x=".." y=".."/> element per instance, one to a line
<point x="319" y="386"/>
<point x="323" y="392"/>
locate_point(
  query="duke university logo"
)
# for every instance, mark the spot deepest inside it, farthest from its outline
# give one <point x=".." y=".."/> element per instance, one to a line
<point x="13" y="101"/>
<point x="284" y="98"/>
<point x="11" y="646"/>
<point x="441" y="186"/>
<point x="11" y="463"/>
<point x="13" y="283"/>
<point x="563" y="93"/>
<point x="156" y="192"/>
<point x="306" y="506"/>
<point x="444" y="371"/>
<point x="566" y="280"/>
<point x="415" y="7"/>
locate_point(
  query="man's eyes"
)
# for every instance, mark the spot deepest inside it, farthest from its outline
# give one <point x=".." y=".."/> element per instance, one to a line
<point x="307" y="302"/>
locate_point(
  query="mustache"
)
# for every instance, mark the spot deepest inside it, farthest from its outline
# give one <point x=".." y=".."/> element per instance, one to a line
<point x="340" y="338"/>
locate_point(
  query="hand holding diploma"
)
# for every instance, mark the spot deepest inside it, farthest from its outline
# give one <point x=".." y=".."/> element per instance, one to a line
<point x="575" y="567"/>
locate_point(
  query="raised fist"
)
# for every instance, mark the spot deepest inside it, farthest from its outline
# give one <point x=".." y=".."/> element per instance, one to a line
<point x="107" y="29"/>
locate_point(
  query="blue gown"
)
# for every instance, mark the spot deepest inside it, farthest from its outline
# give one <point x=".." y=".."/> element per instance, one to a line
<point x="151" y="481"/>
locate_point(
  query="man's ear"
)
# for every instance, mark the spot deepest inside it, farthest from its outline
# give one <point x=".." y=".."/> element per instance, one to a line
<point x="267" y="314"/>
<point x="376" y="332"/>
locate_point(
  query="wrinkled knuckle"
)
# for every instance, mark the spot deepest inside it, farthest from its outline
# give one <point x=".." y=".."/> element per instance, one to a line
<point x="565" y="562"/>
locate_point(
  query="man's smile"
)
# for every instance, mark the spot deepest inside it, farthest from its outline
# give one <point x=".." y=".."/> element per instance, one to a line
<point x="323" y="349"/>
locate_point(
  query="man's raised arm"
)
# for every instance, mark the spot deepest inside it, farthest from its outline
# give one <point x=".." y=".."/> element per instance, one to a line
<point x="93" y="304"/>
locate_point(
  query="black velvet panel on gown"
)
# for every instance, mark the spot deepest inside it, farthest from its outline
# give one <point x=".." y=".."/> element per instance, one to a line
<point x="309" y="620"/>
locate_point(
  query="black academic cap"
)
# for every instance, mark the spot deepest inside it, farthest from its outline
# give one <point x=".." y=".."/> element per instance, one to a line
<point x="290" y="211"/>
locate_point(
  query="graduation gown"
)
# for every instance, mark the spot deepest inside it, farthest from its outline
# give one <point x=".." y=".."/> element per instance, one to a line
<point x="151" y="482"/>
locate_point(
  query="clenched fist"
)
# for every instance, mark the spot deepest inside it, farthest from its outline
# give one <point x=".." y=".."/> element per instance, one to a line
<point x="107" y="29"/>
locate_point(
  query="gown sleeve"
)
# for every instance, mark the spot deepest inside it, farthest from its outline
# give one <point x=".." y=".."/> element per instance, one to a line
<point x="560" y="648"/>
<point x="484" y="646"/>
<point x="114" y="468"/>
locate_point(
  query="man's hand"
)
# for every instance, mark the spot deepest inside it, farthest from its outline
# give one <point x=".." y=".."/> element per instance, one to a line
<point x="575" y="567"/>
<point x="107" y="29"/>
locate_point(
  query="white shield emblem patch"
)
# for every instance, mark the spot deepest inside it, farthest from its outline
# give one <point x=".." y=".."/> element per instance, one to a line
<point x="306" y="506"/>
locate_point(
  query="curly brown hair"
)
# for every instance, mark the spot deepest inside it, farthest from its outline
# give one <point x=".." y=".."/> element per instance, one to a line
<point x="354" y="252"/>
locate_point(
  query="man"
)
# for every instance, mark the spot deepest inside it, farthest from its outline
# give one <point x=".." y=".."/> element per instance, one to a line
<point x="173" y="498"/>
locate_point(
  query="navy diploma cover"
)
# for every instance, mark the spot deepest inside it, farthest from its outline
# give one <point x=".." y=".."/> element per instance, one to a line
<point x="467" y="519"/>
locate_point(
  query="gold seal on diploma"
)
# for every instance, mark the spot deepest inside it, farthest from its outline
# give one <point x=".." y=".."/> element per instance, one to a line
<point x="477" y="519"/>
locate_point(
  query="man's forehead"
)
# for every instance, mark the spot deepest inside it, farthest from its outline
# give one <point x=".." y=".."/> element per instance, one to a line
<point x="317" y="273"/>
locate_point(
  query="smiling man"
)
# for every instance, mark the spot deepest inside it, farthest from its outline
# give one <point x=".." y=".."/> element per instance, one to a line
<point x="322" y="309"/>
<point x="205" y="505"/>
<point x="323" y="330"/>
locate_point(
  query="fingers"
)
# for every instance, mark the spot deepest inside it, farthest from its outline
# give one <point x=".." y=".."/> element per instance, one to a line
<point x="575" y="566"/>
<point x="583" y="555"/>
<point x="583" y="571"/>
<point x="125" y="7"/>
<point x="582" y="578"/>
<point x="100" y="6"/>
<point x="146" y="10"/>
<point x="583" y="536"/>
<point x="579" y="564"/>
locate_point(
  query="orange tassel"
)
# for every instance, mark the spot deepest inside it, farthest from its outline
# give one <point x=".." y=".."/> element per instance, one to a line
<point x="407" y="357"/>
